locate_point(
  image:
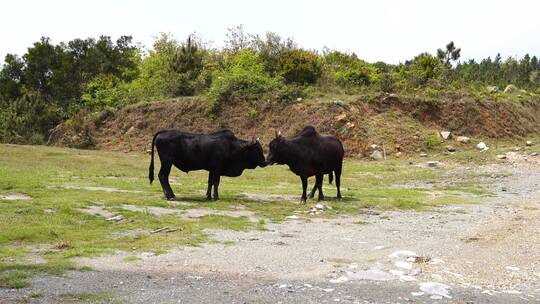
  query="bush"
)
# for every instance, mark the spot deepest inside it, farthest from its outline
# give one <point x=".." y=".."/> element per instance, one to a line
<point x="28" y="119"/>
<point x="346" y="70"/>
<point x="244" y="79"/>
<point x="300" y="66"/>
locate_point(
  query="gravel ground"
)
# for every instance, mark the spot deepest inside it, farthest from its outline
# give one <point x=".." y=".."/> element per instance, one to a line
<point x="481" y="253"/>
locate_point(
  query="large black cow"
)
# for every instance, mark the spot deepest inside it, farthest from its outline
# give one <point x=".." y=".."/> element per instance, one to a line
<point x="309" y="153"/>
<point x="220" y="153"/>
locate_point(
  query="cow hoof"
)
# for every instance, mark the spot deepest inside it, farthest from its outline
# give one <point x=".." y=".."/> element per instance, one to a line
<point x="173" y="198"/>
<point x="338" y="198"/>
<point x="311" y="196"/>
<point x="321" y="199"/>
<point x="302" y="202"/>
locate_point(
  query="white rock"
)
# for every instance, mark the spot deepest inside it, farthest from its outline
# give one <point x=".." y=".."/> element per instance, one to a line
<point x="529" y="143"/>
<point x="417" y="293"/>
<point x="512" y="268"/>
<point x="436" y="289"/>
<point x="510" y="88"/>
<point x="339" y="280"/>
<point x="376" y="155"/>
<point x="407" y="278"/>
<point x="319" y="206"/>
<point x="492" y="89"/>
<point x="446" y="134"/>
<point x="372" y="274"/>
<point x="404" y="265"/>
<point x="481" y="146"/>
<point x="292" y="217"/>
<point x="501" y="156"/>
<point x="402" y="254"/>
<point x="463" y="139"/>
<point x="423" y="154"/>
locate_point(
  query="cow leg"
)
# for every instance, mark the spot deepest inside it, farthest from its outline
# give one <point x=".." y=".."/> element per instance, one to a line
<point x="338" y="182"/>
<point x="312" y="193"/>
<point x="216" y="186"/>
<point x="210" y="183"/>
<point x="304" y="187"/>
<point x="318" y="184"/>
<point x="163" y="175"/>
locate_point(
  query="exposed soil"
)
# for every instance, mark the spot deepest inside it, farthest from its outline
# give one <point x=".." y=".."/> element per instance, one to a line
<point x="400" y="123"/>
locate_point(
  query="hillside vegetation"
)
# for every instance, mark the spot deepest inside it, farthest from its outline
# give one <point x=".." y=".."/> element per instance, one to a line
<point x="90" y="79"/>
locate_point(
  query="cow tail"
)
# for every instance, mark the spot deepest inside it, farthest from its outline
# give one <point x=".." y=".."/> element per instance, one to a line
<point x="330" y="177"/>
<point x="151" y="168"/>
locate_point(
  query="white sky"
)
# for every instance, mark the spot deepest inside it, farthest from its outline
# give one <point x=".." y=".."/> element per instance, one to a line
<point x="387" y="30"/>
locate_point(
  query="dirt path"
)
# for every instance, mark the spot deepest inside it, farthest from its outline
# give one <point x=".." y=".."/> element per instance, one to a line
<point x="483" y="253"/>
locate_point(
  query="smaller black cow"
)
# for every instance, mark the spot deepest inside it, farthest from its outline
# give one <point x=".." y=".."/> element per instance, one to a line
<point x="307" y="154"/>
<point x="220" y="153"/>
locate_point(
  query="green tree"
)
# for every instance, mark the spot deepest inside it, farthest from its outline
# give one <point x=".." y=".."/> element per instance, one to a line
<point x="451" y="53"/>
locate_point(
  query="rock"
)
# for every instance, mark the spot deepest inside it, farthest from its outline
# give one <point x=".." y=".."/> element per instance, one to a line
<point x="340" y="117"/>
<point x="436" y="289"/>
<point x="373" y="147"/>
<point x="423" y="154"/>
<point x="398" y="154"/>
<point x="523" y="91"/>
<point x="15" y="197"/>
<point x="445" y="135"/>
<point x="517" y="149"/>
<point x="481" y="146"/>
<point x="299" y="99"/>
<point x="501" y="156"/>
<point x="402" y="254"/>
<point x="403" y="264"/>
<point x="376" y="155"/>
<point x="529" y="143"/>
<point x="510" y="89"/>
<point x="148" y="151"/>
<point x="533" y="154"/>
<point x="450" y="149"/>
<point x="463" y="139"/>
<point x="339" y="280"/>
<point x="130" y="131"/>
<point x="116" y="218"/>
<point x="492" y="89"/>
<point x="319" y="206"/>
<point x="432" y="164"/>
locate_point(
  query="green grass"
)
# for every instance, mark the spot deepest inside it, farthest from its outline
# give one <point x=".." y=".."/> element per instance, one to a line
<point x="52" y="219"/>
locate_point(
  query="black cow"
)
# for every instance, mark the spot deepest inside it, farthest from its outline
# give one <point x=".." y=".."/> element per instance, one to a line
<point x="220" y="153"/>
<point x="309" y="153"/>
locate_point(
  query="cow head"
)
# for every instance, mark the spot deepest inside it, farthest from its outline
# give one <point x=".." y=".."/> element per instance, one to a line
<point x="275" y="151"/>
<point x="254" y="154"/>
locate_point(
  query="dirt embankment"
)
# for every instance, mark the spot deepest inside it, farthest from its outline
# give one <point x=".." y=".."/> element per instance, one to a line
<point x="400" y="123"/>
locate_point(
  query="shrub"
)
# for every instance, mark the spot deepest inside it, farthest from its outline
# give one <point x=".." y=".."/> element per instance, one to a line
<point x="347" y="70"/>
<point x="243" y="79"/>
<point x="28" y="119"/>
<point x="299" y="66"/>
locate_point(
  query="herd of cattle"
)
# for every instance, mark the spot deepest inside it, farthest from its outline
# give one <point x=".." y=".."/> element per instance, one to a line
<point x="222" y="154"/>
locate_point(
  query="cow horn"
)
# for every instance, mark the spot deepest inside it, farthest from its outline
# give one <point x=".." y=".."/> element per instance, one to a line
<point x="279" y="134"/>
